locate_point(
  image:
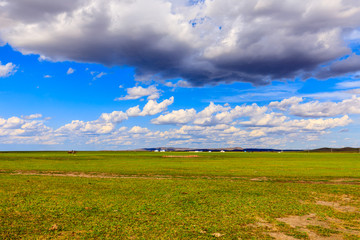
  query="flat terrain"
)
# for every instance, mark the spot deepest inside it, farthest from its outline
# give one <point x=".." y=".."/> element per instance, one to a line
<point x="142" y="195"/>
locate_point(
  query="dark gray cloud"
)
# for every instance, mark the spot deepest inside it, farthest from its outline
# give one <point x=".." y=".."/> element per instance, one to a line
<point x="348" y="65"/>
<point x="204" y="43"/>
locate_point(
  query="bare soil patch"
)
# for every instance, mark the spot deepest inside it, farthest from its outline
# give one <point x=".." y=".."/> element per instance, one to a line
<point x="259" y="179"/>
<point x="113" y="175"/>
<point x="85" y="175"/>
<point x="345" y="180"/>
<point x="331" y="182"/>
<point x="337" y="206"/>
<point x="303" y="221"/>
<point x="281" y="236"/>
<point x="180" y="156"/>
<point x="308" y="224"/>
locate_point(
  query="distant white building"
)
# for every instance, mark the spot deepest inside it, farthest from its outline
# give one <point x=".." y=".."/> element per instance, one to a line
<point x="162" y="150"/>
<point x="209" y="151"/>
<point x="222" y="151"/>
<point x="156" y="150"/>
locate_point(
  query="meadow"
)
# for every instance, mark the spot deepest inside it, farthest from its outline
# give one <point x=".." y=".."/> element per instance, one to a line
<point x="144" y="195"/>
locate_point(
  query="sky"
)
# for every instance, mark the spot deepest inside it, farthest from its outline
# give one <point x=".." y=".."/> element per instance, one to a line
<point x="128" y="74"/>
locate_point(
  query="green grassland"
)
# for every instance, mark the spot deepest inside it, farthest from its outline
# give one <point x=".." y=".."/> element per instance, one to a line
<point x="143" y="195"/>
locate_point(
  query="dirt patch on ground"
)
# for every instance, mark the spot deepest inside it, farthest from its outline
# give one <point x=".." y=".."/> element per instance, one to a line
<point x="281" y="236"/>
<point x="259" y="179"/>
<point x="85" y="175"/>
<point x="264" y="224"/>
<point x="180" y="156"/>
<point x="331" y="182"/>
<point x="303" y="221"/>
<point x="337" y="206"/>
<point x="310" y="224"/>
<point x="144" y="176"/>
<point x="345" y="180"/>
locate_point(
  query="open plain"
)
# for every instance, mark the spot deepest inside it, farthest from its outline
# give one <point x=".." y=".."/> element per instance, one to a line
<point x="147" y="195"/>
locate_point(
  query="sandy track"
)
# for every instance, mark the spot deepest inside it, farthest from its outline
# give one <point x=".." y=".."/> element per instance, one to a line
<point x="342" y="181"/>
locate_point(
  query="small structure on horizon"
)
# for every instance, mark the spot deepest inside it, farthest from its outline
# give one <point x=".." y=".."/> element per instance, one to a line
<point x="222" y="151"/>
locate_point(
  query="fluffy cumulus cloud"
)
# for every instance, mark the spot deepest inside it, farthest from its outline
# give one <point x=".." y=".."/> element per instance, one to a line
<point x="152" y="107"/>
<point x="15" y="130"/>
<point x="211" y="115"/>
<point x="138" y="92"/>
<point x="181" y="116"/>
<point x="205" y="42"/>
<point x="7" y="69"/>
<point x="245" y="125"/>
<point x="296" y="107"/>
<point x="251" y="116"/>
<point x="249" y="125"/>
<point x="138" y="129"/>
<point x="107" y="122"/>
<point x="92" y="127"/>
<point x="114" y="117"/>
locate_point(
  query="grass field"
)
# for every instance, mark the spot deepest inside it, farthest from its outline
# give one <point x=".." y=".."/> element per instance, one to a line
<point x="142" y="195"/>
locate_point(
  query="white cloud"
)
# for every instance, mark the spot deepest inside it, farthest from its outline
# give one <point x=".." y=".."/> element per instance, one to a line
<point x="238" y="112"/>
<point x="319" y="124"/>
<point x="332" y="96"/>
<point x="176" y="117"/>
<point x="15" y="130"/>
<point x="91" y="127"/>
<point x="318" y="109"/>
<point x="107" y="122"/>
<point x="133" y="111"/>
<point x="7" y="69"/>
<point x="47" y="76"/>
<point x="114" y="117"/>
<point x="99" y="75"/>
<point x="211" y="115"/>
<point x="32" y="116"/>
<point x="138" y="130"/>
<point x="70" y="71"/>
<point x="138" y="92"/>
<point x="205" y="117"/>
<point x="151" y="108"/>
<point x="348" y="84"/>
<point x="286" y="103"/>
<point x="214" y="126"/>
<point x="271" y="119"/>
<point x="307" y="125"/>
<point x="11" y="123"/>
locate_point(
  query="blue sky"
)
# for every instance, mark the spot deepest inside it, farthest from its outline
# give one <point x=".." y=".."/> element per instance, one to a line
<point x="91" y="76"/>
